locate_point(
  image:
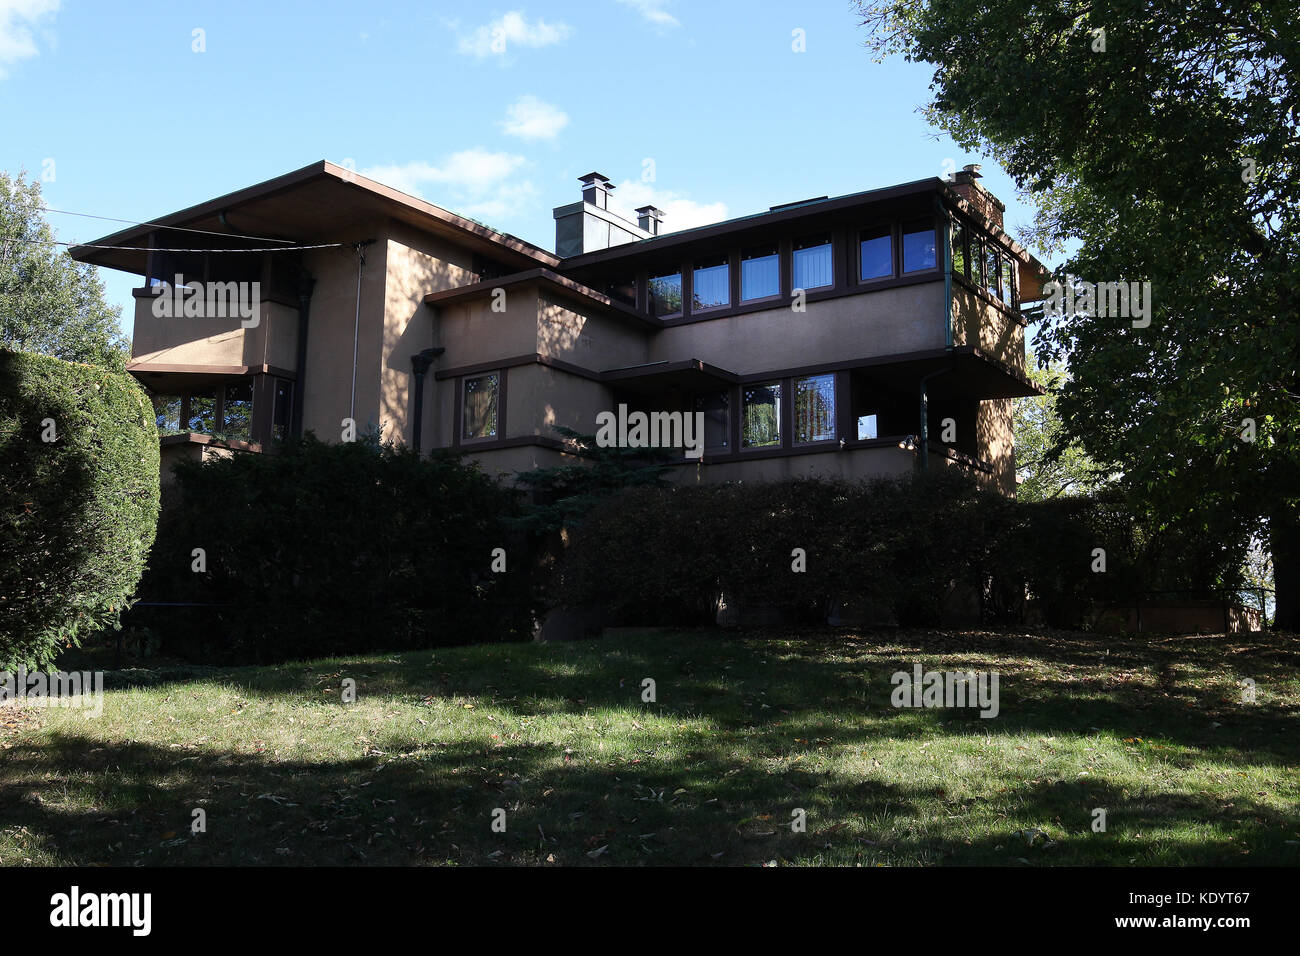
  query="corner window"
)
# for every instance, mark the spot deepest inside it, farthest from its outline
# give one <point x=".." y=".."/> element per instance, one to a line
<point x="237" y="411"/>
<point x="991" y="268"/>
<point x="960" y="260"/>
<point x="761" y="424"/>
<point x="716" y="408"/>
<point x="876" y="253"/>
<point x="711" y="284"/>
<point x="480" y="412"/>
<point x="814" y="409"/>
<point x="203" y="414"/>
<point x="918" y="245"/>
<point x="760" y="274"/>
<point x="811" y="265"/>
<point x="665" y="292"/>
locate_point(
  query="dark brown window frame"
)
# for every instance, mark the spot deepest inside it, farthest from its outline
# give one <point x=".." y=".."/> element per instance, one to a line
<point x="458" y="427"/>
<point x="938" y="247"/>
<point x="263" y="392"/>
<point x="895" y="252"/>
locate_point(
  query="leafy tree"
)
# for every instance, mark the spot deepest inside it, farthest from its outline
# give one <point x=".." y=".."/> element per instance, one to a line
<point x="1050" y="463"/>
<point x="1161" y="135"/>
<point x="49" y="303"/>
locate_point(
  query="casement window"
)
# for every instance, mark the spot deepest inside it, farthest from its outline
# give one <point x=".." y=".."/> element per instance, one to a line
<point x="760" y="273"/>
<point x="711" y="284"/>
<point x="867" y="427"/>
<point x="960" y="258"/>
<point x="812" y="266"/>
<point x="167" y="414"/>
<point x="814" y="409"/>
<point x="237" y="410"/>
<point x="716" y="408"/>
<point x="761" y="416"/>
<point x="1008" y="280"/>
<point x="991" y="268"/>
<point x="665" y="291"/>
<point x="202" y="417"/>
<point x="918" y="245"/>
<point x="480" y="411"/>
<point x="876" y="253"/>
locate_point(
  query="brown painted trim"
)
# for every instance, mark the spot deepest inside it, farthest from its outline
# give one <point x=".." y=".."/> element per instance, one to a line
<point x="198" y="438"/>
<point x="535" y="358"/>
<point x="666" y="368"/>
<point x="1002" y="307"/>
<point x="321" y="169"/>
<point x="458" y="439"/>
<point x="805" y="211"/>
<point x="521" y="441"/>
<point x="614" y="376"/>
<point x="142" y="368"/>
<point x="544" y="277"/>
<point x="810" y="296"/>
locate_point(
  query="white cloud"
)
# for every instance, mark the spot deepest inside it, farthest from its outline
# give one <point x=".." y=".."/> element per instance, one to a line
<point x="532" y="119"/>
<point x="679" y="212"/>
<point x="18" y="18"/>
<point x="653" y="11"/>
<point x="473" y="182"/>
<point x="512" y="29"/>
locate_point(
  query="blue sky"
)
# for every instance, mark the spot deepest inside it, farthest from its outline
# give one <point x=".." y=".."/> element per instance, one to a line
<point x="703" y="109"/>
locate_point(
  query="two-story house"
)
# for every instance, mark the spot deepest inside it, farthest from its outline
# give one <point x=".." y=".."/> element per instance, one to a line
<point x="861" y="335"/>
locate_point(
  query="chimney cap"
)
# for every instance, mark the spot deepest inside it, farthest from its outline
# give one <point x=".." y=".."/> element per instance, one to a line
<point x="973" y="170"/>
<point x="650" y="211"/>
<point x="593" y="178"/>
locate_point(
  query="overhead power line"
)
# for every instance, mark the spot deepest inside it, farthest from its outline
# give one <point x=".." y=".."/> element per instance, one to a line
<point x="159" y="225"/>
<point x="93" y="245"/>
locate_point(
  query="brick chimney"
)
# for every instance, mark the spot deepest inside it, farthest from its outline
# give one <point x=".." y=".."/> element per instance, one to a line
<point x="965" y="185"/>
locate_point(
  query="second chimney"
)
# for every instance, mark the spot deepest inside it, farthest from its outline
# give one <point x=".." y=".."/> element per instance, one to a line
<point x="649" y="218"/>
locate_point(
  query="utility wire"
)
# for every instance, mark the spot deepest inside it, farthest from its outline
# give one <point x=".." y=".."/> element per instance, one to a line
<point x="92" y="245"/>
<point x="132" y="222"/>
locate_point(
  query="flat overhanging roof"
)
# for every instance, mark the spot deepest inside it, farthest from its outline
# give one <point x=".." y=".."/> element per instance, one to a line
<point x="967" y="372"/>
<point x="316" y="204"/>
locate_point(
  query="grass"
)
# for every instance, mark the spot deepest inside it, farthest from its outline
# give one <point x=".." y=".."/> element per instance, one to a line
<point x="745" y="730"/>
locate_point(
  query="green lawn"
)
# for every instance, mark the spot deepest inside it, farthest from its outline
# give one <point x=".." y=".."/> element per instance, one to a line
<point x="745" y="729"/>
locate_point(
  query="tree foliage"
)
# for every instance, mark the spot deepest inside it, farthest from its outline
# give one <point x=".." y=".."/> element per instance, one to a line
<point x="1049" y="462"/>
<point x="1161" y="136"/>
<point x="50" y="303"/>
<point x="78" y="501"/>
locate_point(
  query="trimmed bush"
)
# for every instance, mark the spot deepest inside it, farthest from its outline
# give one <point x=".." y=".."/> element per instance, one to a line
<point x="78" y="501"/>
<point x="914" y="549"/>
<point x="321" y="549"/>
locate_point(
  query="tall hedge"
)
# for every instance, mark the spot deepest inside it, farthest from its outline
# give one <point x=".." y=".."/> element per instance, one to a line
<point x="323" y="548"/>
<point x="907" y="549"/>
<point x="78" y="501"/>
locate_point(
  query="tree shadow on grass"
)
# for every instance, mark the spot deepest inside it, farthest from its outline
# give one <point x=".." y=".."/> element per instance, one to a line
<point x="751" y="712"/>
